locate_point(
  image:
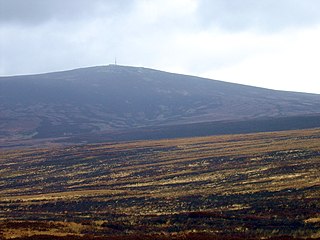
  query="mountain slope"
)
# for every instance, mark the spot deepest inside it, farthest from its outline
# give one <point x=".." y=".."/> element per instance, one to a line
<point x="112" y="98"/>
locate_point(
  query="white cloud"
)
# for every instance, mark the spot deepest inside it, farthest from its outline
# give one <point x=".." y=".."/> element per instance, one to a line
<point x="286" y="61"/>
<point x="262" y="15"/>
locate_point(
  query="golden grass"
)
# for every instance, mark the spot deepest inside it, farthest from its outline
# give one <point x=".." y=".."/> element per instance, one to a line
<point x="268" y="171"/>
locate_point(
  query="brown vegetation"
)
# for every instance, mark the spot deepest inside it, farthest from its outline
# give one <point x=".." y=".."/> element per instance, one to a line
<point x="230" y="187"/>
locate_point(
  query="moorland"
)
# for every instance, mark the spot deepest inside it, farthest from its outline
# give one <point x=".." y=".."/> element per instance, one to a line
<point x="112" y="103"/>
<point x="243" y="186"/>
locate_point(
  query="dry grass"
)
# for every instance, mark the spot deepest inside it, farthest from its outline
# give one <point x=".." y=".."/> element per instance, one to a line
<point x="229" y="184"/>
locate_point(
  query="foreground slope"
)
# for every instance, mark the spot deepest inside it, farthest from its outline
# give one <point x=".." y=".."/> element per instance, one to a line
<point x="112" y="98"/>
<point x="248" y="186"/>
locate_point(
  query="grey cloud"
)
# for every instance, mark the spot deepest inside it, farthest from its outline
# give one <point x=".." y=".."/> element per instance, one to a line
<point x="32" y="12"/>
<point x="50" y="35"/>
<point x="263" y="15"/>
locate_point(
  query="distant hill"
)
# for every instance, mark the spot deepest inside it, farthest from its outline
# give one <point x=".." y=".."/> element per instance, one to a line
<point x="118" y="99"/>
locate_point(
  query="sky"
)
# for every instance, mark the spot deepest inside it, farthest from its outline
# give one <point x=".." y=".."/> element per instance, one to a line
<point x="265" y="43"/>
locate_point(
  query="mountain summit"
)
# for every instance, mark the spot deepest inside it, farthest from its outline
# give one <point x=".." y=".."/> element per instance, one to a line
<point x="120" y="98"/>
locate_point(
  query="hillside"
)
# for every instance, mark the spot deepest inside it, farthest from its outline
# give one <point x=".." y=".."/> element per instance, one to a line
<point x="109" y="99"/>
<point x="254" y="186"/>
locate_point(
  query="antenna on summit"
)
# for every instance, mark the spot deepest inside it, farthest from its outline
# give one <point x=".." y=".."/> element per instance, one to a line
<point x="115" y="61"/>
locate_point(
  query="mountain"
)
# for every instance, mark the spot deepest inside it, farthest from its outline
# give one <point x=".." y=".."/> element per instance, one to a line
<point x="119" y="99"/>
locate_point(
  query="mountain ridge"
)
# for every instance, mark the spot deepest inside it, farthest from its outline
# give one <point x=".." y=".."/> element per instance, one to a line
<point x="115" y="66"/>
<point x="112" y="98"/>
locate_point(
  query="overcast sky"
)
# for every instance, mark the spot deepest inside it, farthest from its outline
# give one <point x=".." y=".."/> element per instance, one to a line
<point x="267" y="43"/>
